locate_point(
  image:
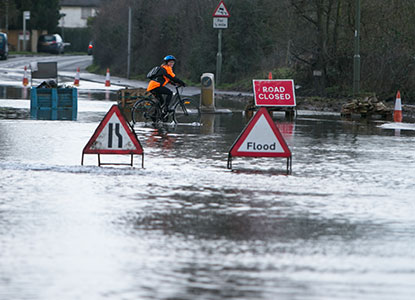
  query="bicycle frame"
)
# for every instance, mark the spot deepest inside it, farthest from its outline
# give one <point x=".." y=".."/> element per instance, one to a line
<point x="175" y="100"/>
<point x="191" y="113"/>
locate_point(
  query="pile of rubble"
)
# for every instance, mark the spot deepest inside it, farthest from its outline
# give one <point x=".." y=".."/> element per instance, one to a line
<point x="366" y="107"/>
<point x="127" y="97"/>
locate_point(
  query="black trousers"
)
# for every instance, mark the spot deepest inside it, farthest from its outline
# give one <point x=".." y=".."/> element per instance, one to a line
<point x="162" y="90"/>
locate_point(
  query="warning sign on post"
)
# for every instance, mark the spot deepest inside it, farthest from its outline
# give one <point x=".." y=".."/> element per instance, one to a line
<point x="221" y="11"/>
<point x="274" y="92"/>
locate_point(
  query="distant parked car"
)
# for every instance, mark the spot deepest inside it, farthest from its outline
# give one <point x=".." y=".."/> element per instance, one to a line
<point x="90" y="48"/>
<point x="51" y="43"/>
<point x="4" y="47"/>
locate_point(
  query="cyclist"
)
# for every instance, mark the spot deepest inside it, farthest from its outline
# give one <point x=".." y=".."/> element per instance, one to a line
<point x="164" y="76"/>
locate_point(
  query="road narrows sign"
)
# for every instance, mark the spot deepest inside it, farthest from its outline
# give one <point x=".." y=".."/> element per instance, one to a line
<point x="260" y="138"/>
<point x="113" y="136"/>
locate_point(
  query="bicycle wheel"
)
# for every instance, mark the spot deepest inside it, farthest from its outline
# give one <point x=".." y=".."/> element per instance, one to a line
<point x="187" y="112"/>
<point x="145" y="110"/>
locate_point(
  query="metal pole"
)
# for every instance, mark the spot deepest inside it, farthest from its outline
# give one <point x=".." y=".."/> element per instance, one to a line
<point x="7" y="17"/>
<point x="24" y="32"/>
<point x="129" y="43"/>
<point x="63" y="28"/>
<point x="219" y="57"/>
<point x="356" y="60"/>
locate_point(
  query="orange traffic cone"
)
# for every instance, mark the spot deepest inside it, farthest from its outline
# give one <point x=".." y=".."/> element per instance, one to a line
<point x="77" y="77"/>
<point x="397" y="113"/>
<point x="270" y="75"/>
<point x="107" y="78"/>
<point x="25" y="79"/>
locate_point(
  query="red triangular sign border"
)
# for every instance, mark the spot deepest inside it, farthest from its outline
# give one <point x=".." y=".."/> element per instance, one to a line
<point x="131" y="134"/>
<point x="221" y="16"/>
<point x="239" y="141"/>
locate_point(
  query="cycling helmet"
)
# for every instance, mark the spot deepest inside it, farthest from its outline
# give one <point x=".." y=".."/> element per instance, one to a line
<point x="169" y="57"/>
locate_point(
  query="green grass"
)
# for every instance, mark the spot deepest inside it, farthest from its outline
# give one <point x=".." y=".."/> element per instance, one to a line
<point x="75" y="53"/>
<point x="25" y="53"/>
<point x="96" y="69"/>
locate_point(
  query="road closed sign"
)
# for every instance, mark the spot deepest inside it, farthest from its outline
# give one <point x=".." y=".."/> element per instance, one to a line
<point x="274" y="92"/>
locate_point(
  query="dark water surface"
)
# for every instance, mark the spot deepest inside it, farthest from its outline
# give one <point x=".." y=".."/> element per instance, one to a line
<point x="342" y="226"/>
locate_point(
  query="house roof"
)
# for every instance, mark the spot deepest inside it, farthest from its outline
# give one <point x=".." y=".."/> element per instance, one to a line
<point x="83" y="3"/>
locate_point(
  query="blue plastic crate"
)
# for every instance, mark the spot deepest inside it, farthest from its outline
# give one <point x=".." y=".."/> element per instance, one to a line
<point x="62" y="103"/>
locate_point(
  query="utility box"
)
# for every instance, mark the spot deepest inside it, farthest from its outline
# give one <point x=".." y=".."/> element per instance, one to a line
<point x="207" y="95"/>
<point x="53" y="103"/>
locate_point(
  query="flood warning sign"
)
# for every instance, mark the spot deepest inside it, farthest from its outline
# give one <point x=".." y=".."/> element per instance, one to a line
<point x="260" y="138"/>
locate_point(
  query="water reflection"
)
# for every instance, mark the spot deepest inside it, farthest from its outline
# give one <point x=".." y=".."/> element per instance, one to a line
<point x="8" y="92"/>
<point x="208" y="122"/>
<point x="25" y="92"/>
<point x="271" y="171"/>
<point x="107" y="95"/>
<point x="160" y="138"/>
<point x="14" y="113"/>
<point x="255" y="224"/>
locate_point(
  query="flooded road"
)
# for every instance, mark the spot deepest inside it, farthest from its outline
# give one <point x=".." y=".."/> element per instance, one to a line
<point x="185" y="227"/>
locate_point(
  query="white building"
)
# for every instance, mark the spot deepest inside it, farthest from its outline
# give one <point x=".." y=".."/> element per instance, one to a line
<point x="75" y="13"/>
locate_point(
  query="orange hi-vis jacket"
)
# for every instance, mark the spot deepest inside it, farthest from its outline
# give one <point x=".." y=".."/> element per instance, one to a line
<point x="167" y="75"/>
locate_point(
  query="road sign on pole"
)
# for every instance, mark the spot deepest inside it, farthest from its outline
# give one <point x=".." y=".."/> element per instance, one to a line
<point x="220" y="21"/>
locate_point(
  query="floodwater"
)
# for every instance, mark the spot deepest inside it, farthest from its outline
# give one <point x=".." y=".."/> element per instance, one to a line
<point x="341" y="226"/>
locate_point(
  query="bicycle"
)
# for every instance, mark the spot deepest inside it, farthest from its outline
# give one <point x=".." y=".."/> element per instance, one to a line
<point x="181" y="110"/>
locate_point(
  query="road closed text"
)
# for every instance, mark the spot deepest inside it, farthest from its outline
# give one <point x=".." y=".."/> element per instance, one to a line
<point x="274" y="93"/>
